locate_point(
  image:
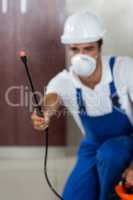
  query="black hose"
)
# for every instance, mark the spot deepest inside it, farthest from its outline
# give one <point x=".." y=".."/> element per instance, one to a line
<point x="39" y="113"/>
<point x="45" y="166"/>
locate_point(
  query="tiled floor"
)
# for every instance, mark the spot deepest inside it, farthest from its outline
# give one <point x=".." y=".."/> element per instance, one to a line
<point x="21" y="173"/>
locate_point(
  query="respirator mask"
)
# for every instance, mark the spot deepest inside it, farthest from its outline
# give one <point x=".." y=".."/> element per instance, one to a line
<point x="83" y="65"/>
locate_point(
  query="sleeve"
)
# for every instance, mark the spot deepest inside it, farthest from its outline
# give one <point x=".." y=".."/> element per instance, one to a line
<point x="57" y="85"/>
<point x="129" y="76"/>
<point x="54" y="86"/>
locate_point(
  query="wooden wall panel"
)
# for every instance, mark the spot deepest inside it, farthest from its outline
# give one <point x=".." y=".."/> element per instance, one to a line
<point x="38" y="32"/>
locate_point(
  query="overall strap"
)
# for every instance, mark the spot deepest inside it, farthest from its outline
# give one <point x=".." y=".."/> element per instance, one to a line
<point x="113" y="91"/>
<point x="80" y="102"/>
<point x="112" y="84"/>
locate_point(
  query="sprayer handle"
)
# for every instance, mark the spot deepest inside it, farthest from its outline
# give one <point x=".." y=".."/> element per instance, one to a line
<point x="39" y="111"/>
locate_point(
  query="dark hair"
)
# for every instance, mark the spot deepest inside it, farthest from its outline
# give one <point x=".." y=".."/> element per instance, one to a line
<point x="100" y="43"/>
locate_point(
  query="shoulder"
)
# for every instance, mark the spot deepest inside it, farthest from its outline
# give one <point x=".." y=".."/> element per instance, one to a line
<point x="124" y="63"/>
<point x="124" y="70"/>
<point x="124" y="66"/>
<point x="126" y="60"/>
<point x="60" y="83"/>
<point x="60" y="77"/>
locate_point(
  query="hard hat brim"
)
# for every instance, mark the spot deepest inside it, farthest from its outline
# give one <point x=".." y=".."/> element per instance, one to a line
<point x="65" y="40"/>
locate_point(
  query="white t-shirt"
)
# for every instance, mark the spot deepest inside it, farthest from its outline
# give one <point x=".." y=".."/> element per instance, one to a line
<point x="97" y="100"/>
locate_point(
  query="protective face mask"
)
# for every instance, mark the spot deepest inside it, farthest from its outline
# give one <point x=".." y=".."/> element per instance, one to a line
<point x="83" y="65"/>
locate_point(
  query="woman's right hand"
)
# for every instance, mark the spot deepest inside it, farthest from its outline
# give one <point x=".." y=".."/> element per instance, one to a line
<point x="39" y="123"/>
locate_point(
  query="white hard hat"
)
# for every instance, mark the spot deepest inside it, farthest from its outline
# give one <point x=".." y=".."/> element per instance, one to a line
<point x="82" y="27"/>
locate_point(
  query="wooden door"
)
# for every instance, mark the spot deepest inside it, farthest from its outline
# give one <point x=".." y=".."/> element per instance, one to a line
<point x="35" y="26"/>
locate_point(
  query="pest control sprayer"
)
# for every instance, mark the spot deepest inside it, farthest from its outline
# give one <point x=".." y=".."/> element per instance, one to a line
<point x="39" y="113"/>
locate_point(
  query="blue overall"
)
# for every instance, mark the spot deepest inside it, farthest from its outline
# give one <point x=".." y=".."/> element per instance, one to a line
<point x="104" y="153"/>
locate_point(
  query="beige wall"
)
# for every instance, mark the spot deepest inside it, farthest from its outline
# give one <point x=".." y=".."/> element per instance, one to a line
<point x="117" y="17"/>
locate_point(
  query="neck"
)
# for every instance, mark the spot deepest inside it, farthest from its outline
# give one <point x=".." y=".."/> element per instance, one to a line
<point x="95" y="78"/>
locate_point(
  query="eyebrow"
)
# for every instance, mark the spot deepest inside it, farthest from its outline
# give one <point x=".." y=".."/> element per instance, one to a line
<point x="89" y="47"/>
<point x="74" y="48"/>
